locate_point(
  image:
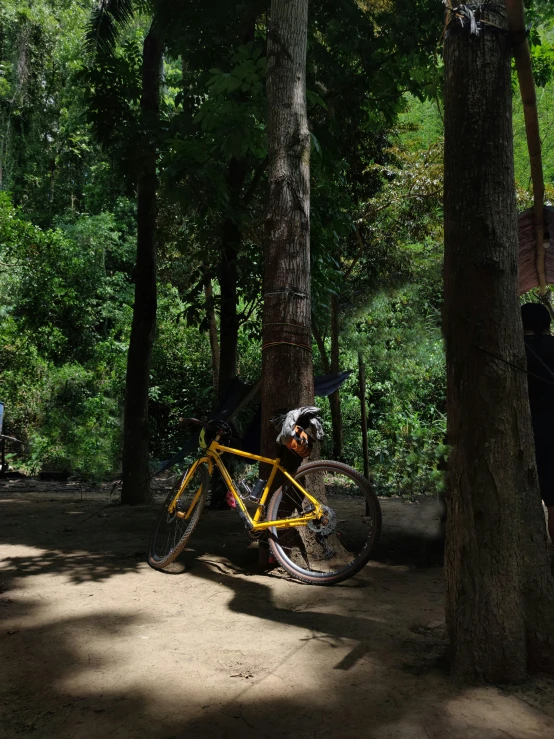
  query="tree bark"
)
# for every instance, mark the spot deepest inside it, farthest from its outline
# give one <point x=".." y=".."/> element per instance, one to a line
<point x="287" y="374"/>
<point x="136" y="468"/>
<point x="499" y="590"/>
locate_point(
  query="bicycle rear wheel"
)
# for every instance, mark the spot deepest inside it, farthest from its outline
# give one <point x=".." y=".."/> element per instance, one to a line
<point x="172" y="531"/>
<point x="333" y="549"/>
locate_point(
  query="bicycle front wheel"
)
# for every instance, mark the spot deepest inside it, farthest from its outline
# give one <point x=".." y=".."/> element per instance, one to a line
<point x="174" y="528"/>
<point x="337" y="546"/>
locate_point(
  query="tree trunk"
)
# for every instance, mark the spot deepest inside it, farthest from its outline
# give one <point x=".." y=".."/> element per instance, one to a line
<point x="328" y="367"/>
<point x="321" y="346"/>
<point x="287" y="374"/>
<point x="136" y="469"/>
<point x="499" y="590"/>
<point x="334" y="398"/>
<point x="212" y="328"/>
<point x="228" y="319"/>
<point x="363" y="409"/>
<point x="231" y="238"/>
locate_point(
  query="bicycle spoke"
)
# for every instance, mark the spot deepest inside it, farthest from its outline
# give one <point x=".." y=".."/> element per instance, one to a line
<point x="172" y="531"/>
<point x="339" y="542"/>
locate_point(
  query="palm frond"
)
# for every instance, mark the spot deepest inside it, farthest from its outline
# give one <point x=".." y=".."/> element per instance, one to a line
<point x="106" y="22"/>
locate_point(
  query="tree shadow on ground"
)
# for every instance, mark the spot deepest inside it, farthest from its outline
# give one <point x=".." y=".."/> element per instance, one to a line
<point x="88" y="541"/>
<point x="70" y="678"/>
<point x="371" y="606"/>
<point x="92" y="541"/>
<point x="86" y="661"/>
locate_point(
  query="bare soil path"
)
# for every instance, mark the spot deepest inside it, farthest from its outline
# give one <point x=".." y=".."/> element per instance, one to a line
<point x="96" y="645"/>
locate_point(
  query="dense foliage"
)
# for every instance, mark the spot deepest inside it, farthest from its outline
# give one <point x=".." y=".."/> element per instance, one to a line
<point x="69" y="137"/>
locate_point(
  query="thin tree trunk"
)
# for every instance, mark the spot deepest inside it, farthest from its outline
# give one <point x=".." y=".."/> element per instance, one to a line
<point x="228" y="319"/>
<point x="328" y="367"/>
<point x="212" y="328"/>
<point x="496" y="556"/>
<point x="231" y="238"/>
<point x="334" y="398"/>
<point x="136" y="470"/>
<point x="363" y="408"/>
<point x="321" y="346"/>
<point x="287" y="374"/>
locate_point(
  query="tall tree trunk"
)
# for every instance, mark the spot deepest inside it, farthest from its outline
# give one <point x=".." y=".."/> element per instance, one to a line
<point x="334" y="398"/>
<point x="136" y="470"/>
<point x="499" y="590"/>
<point x="287" y="374"/>
<point x="212" y="327"/>
<point x="321" y="346"/>
<point x="363" y="409"/>
<point x="228" y="319"/>
<point x="330" y="366"/>
<point x="231" y="238"/>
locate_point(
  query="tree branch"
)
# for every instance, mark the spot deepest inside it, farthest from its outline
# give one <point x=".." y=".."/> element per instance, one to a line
<point x="358" y="255"/>
<point x="249" y="194"/>
<point x="321" y="346"/>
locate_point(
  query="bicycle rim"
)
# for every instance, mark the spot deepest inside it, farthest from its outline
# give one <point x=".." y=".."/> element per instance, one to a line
<point x="338" y="546"/>
<point x="171" y="532"/>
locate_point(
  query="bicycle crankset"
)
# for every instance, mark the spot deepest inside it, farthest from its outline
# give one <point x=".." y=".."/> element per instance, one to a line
<point x="326" y="524"/>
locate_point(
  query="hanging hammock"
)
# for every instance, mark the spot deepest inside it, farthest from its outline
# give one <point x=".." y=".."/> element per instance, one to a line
<point x="528" y="272"/>
<point x="536" y="225"/>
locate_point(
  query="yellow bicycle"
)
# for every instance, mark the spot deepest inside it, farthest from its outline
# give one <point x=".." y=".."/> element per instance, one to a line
<point x="322" y="522"/>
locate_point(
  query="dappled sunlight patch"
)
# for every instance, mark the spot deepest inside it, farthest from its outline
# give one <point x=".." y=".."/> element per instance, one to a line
<point x="20" y="550"/>
<point x="504" y="715"/>
<point x="76" y="567"/>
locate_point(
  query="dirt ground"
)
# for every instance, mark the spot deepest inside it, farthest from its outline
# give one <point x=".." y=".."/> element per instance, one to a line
<point x="96" y="645"/>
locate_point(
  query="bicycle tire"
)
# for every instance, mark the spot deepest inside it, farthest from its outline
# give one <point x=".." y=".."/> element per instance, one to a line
<point x="182" y="529"/>
<point x="281" y="541"/>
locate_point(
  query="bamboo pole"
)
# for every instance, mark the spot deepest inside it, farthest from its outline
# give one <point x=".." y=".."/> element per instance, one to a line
<point x="522" y="56"/>
<point x="365" y="449"/>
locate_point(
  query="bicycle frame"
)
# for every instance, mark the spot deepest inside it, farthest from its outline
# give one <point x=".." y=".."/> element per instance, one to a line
<point x="212" y="456"/>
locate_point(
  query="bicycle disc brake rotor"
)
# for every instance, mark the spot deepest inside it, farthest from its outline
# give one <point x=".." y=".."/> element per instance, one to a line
<point x="326" y="524"/>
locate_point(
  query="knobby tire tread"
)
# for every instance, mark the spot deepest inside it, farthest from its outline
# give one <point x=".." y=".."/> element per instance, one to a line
<point x="176" y="551"/>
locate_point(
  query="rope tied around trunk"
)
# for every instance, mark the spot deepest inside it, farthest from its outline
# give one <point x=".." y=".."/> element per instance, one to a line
<point x="293" y="293"/>
<point x="287" y="291"/>
<point x="468" y="16"/>
<point x="269" y="344"/>
<point x="285" y="323"/>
